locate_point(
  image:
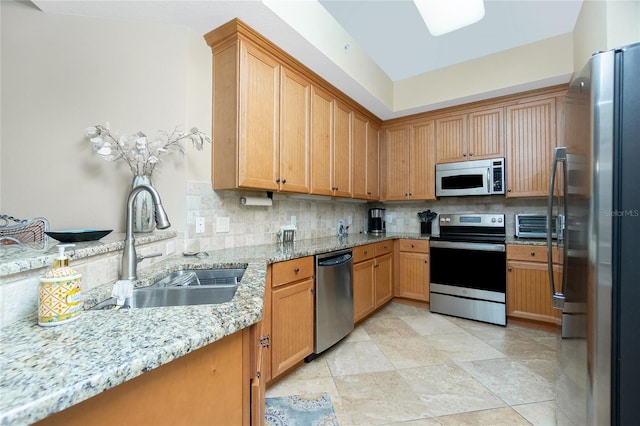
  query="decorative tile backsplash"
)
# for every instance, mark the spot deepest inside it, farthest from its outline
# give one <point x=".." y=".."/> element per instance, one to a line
<point x="254" y="225"/>
<point x="318" y="217"/>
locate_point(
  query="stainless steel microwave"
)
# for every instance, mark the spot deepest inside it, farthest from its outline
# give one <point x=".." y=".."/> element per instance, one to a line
<point x="477" y="177"/>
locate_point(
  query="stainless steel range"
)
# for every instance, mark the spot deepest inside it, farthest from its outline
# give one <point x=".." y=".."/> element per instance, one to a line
<point x="468" y="267"/>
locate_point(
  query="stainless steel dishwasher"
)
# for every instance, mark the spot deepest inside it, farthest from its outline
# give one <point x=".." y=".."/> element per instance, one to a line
<point x="334" y="299"/>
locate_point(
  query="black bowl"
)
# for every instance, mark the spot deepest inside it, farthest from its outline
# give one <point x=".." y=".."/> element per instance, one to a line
<point x="78" y="235"/>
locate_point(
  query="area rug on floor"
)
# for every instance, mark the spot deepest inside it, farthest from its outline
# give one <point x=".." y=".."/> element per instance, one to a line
<point x="300" y="410"/>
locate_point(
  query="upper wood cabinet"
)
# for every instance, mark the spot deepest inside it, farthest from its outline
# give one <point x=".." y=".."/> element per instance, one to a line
<point x="373" y="161"/>
<point x="331" y="141"/>
<point x="246" y="86"/>
<point x="365" y="159"/>
<point x="321" y="142"/>
<point x="342" y="138"/>
<point x="278" y="126"/>
<point x="470" y="136"/>
<point x="295" y="142"/>
<point x="530" y="140"/>
<point x="266" y="144"/>
<point x="409" y="162"/>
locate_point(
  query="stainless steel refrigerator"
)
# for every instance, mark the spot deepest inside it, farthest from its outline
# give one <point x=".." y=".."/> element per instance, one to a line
<point x="595" y="193"/>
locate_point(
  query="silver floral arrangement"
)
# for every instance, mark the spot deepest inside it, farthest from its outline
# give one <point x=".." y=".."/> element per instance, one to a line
<point x="139" y="152"/>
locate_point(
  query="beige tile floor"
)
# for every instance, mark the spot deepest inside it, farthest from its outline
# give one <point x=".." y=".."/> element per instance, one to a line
<point x="407" y="366"/>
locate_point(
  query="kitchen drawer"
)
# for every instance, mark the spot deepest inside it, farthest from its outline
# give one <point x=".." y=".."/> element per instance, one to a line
<point x="414" y="246"/>
<point x="291" y="271"/>
<point x="384" y="247"/>
<point x="362" y="253"/>
<point x="530" y="253"/>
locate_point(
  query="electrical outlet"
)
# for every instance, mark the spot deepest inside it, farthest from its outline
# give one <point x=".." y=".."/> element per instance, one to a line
<point x="389" y="218"/>
<point x="294" y="221"/>
<point x="199" y="225"/>
<point x="350" y="220"/>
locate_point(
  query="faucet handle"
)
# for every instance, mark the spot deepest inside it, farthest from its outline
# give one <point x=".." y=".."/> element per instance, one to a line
<point x="140" y="257"/>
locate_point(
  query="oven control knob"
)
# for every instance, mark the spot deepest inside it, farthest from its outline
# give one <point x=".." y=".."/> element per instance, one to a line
<point x="499" y="220"/>
<point x="493" y="220"/>
<point x="448" y="219"/>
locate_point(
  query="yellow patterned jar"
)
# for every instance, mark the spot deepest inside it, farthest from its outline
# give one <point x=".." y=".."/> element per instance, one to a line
<point x="59" y="296"/>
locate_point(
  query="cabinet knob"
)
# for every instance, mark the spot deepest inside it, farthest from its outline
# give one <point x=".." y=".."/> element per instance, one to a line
<point x="412" y="246"/>
<point x="410" y="194"/>
<point x="278" y="180"/>
<point x="296" y="270"/>
<point x="509" y="269"/>
<point x="365" y="252"/>
<point x="509" y="190"/>
<point x="368" y="193"/>
<point x="284" y="181"/>
<point x="376" y="265"/>
<point x="533" y="253"/>
<point x="426" y="261"/>
<point x="464" y="155"/>
<point x="471" y="154"/>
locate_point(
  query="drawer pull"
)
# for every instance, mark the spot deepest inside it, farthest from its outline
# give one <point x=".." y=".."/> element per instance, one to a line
<point x="509" y="269"/>
<point x="296" y="270"/>
<point x="426" y="261"/>
<point x="412" y="246"/>
<point x="533" y="253"/>
<point x="365" y="252"/>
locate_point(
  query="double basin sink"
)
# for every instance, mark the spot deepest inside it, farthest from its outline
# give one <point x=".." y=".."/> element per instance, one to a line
<point x="184" y="288"/>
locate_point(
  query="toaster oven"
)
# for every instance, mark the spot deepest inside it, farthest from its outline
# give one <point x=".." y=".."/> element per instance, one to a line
<point x="535" y="226"/>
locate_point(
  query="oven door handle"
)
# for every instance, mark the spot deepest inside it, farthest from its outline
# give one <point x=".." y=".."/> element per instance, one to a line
<point x="468" y="246"/>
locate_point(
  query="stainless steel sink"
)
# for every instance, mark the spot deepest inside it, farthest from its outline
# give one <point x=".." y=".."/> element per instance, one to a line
<point x="184" y="288"/>
<point x="193" y="277"/>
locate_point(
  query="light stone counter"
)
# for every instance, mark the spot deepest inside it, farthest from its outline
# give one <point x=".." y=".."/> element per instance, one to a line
<point x="47" y="369"/>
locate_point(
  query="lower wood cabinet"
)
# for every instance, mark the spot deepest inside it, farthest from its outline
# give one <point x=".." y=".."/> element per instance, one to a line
<point x="528" y="289"/>
<point x="208" y="386"/>
<point x="288" y="315"/>
<point x="372" y="277"/>
<point x="413" y="270"/>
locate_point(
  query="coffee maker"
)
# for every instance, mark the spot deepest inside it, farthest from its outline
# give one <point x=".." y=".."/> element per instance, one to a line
<point x="376" y="221"/>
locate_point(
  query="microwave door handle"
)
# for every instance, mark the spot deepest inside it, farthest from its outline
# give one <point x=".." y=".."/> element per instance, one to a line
<point x="488" y="180"/>
<point x="559" y="156"/>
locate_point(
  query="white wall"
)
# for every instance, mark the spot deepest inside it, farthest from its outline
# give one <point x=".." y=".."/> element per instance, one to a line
<point x="61" y="74"/>
<point x="604" y="25"/>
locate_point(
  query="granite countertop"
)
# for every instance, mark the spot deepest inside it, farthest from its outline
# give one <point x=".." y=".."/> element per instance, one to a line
<point x="527" y="241"/>
<point x="48" y="369"/>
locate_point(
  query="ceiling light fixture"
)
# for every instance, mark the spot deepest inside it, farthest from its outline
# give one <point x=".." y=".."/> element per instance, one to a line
<point x="444" y="16"/>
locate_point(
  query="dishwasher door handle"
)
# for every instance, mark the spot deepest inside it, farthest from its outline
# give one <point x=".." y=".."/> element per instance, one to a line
<point x="336" y="260"/>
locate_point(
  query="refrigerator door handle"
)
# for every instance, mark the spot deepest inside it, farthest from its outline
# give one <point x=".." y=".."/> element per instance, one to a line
<point x="559" y="156"/>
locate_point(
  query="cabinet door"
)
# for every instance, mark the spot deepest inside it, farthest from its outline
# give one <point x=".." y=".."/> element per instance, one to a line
<point x="373" y="162"/>
<point x="531" y="137"/>
<point x="321" y="142"/>
<point x="291" y="325"/>
<point x="451" y="139"/>
<point x="359" y="156"/>
<point x="413" y="276"/>
<point x="396" y="149"/>
<point x="295" y="105"/>
<point x="363" y="285"/>
<point x="259" y="109"/>
<point x="486" y="134"/>
<point x="528" y="293"/>
<point x="342" y="150"/>
<point x="169" y="393"/>
<point x="384" y="279"/>
<point x="422" y="162"/>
